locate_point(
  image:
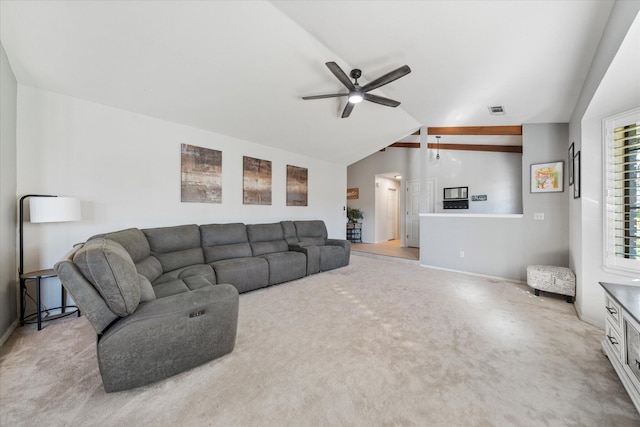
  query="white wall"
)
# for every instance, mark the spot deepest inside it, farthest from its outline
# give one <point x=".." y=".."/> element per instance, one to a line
<point x="125" y="168"/>
<point x="612" y="86"/>
<point x="362" y="175"/>
<point x="8" y="265"/>
<point x="503" y="247"/>
<point x="494" y="174"/>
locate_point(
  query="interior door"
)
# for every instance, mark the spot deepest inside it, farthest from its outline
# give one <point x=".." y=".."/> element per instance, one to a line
<point x="392" y="214"/>
<point x="413" y="217"/>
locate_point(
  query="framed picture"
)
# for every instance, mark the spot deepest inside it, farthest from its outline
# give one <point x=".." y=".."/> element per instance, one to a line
<point x="353" y="193"/>
<point x="547" y="177"/>
<point x="256" y="181"/>
<point x="297" y="186"/>
<point x="201" y="174"/>
<point x="576" y="177"/>
<point x="571" y="167"/>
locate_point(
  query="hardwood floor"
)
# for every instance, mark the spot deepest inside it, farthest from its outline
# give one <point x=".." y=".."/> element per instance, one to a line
<point x="391" y="248"/>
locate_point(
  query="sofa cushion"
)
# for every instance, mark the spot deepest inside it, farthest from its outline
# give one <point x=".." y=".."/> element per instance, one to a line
<point x="178" y="286"/>
<point x="201" y="270"/>
<point x="175" y="247"/>
<point x="169" y="288"/>
<point x="266" y="238"/>
<point x="224" y="241"/>
<point x="146" y="289"/>
<point x="315" y="241"/>
<point x="133" y="241"/>
<point x="311" y="232"/>
<point x="289" y="232"/>
<point x="285" y="266"/>
<point x="150" y="268"/>
<point x="246" y="274"/>
<point x="109" y="267"/>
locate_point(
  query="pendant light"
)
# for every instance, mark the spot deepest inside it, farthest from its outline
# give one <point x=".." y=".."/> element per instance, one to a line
<point x="438" y="147"/>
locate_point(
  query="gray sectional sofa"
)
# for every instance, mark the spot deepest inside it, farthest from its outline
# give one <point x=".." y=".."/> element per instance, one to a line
<point x="164" y="300"/>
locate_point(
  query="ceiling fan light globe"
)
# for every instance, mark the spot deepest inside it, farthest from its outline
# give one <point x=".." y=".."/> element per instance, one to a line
<point x="355" y="97"/>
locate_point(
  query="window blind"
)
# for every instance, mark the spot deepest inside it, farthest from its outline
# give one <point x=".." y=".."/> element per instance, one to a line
<point x="623" y="191"/>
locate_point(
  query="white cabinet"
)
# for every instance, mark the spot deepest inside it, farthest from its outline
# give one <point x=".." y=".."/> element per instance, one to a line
<point x="622" y="335"/>
<point x="631" y="361"/>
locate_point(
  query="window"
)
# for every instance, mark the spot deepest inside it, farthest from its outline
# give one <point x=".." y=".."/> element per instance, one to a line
<point x="622" y="186"/>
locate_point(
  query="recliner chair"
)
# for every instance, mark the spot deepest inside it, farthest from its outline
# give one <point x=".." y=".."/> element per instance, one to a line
<point x="140" y="338"/>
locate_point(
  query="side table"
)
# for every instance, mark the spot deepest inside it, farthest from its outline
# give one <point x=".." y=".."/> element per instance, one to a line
<point x="354" y="232"/>
<point x="38" y="276"/>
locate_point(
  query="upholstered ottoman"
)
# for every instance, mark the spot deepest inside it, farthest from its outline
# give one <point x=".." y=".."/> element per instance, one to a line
<point x="559" y="280"/>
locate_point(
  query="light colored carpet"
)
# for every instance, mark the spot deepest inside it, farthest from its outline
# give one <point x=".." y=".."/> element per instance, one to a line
<point x="377" y="343"/>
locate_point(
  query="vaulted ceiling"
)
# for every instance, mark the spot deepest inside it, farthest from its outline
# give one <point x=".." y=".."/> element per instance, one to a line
<point x="241" y="68"/>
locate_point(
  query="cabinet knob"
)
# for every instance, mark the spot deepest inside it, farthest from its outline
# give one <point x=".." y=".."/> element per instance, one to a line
<point x="613" y="340"/>
<point x="611" y="310"/>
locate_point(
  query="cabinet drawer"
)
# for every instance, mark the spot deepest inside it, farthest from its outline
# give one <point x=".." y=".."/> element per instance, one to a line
<point x="613" y="339"/>
<point x="632" y="359"/>
<point x="613" y="312"/>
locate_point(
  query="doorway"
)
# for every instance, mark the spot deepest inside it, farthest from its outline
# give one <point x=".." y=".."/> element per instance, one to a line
<point x="387" y="208"/>
<point x="392" y="214"/>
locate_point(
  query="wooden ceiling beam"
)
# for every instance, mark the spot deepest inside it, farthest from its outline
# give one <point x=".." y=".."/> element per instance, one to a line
<point x="405" y="145"/>
<point x="475" y="130"/>
<point x="463" y="147"/>
<point x="478" y="147"/>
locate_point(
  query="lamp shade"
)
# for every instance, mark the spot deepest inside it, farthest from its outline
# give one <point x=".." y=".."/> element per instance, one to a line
<point x="54" y="209"/>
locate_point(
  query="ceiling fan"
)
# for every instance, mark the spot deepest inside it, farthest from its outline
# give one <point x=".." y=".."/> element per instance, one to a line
<point x="359" y="93"/>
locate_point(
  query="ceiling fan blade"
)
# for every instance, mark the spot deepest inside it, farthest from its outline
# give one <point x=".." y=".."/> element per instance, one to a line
<point x="387" y="78"/>
<point x="348" y="109"/>
<point x="381" y="100"/>
<point x="331" y="95"/>
<point x="337" y="71"/>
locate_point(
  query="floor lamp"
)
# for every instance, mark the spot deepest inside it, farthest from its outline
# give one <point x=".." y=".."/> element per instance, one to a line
<point x="43" y="208"/>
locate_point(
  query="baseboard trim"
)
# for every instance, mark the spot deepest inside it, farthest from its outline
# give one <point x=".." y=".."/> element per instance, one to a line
<point x="473" y="274"/>
<point x="385" y="257"/>
<point x="8" y="332"/>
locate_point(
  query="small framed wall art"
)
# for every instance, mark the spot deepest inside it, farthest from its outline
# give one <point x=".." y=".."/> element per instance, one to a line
<point x="297" y="186"/>
<point x="547" y="177"/>
<point x="576" y="176"/>
<point x="570" y="164"/>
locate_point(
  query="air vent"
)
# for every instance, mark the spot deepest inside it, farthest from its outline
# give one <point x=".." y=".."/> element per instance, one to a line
<point x="496" y="110"/>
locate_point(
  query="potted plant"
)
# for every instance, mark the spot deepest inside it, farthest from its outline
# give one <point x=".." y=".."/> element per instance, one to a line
<point x="354" y="214"/>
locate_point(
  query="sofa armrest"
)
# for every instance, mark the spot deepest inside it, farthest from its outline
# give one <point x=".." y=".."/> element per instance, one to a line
<point x="345" y="244"/>
<point x="190" y="328"/>
<point x="312" y="253"/>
